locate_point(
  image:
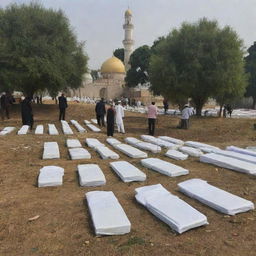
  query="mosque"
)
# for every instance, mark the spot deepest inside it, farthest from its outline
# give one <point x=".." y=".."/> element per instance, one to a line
<point x="111" y="83"/>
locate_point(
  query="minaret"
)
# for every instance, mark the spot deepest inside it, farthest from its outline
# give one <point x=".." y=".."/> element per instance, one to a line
<point x="128" y="41"/>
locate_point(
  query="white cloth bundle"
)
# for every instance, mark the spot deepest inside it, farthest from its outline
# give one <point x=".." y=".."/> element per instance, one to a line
<point x="73" y="143"/>
<point x="50" y="176"/>
<point x="7" y="130"/>
<point x="113" y="141"/>
<point x="93" y="128"/>
<point x="164" y="167"/>
<point x="159" y="142"/>
<point x="106" y="153"/>
<point x="94" y="121"/>
<point x="172" y="140"/>
<point x="127" y="172"/>
<point x="229" y="163"/>
<point x="80" y="128"/>
<point x="79" y="153"/>
<point x="214" y="197"/>
<point x="66" y="128"/>
<point x="107" y="214"/>
<point x="241" y="150"/>
<point x="191" y="151"/>
<point x="177" y="155"/>
<point x="236" y="155"/>
<point x="51" y="150"/>
<point x="169" y="208"/>
<point x="39" y="129"/>
<point x="93" y="143"/>
<point x="23" y="130"/>
<point x="87" y="122"/>
<point x="195" y="144"/>
<point x="143" y="145"/>
<point x="131" y="151"/>
<point x="52" y="129"/>
<point x="90" y="175"/>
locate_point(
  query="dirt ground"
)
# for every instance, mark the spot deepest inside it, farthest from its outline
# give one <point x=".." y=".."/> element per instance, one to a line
<point x="64" y="226"/>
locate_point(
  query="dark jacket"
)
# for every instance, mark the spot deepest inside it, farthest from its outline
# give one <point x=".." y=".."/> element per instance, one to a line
<point x="63" y="102"/>
<point x="110" y="116"/>
<point x="4" y="101"/>
<point x="26" y="112"/>
<point x="100" y="108"/>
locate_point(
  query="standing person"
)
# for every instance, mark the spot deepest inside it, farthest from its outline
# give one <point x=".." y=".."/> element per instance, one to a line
<point x="185" y="113"/>
<point x="119" y="117"/>
<point x="225" y="110"/>
<point x="110" y="120"/>
<point x="100" y="110"/>
<point x="152" y="113"/>
<point x="4" y="101"/>
<point x="229" y="110"/>
<point x="166" y="106"/>
<point x="26" y="112"/>
<point x="62" y="106"/>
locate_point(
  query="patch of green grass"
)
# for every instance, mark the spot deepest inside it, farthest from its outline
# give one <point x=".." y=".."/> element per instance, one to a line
<point x="133" y="241"/>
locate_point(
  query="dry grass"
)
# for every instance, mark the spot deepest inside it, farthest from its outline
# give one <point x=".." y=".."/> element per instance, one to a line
<point x="64" y="226"/>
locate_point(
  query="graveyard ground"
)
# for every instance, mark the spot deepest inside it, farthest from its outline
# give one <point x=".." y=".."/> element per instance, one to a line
<point x="64" y="225"/>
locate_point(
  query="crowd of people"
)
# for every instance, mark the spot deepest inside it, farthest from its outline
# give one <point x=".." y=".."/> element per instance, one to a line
<point x="110" y="111"/>
<point x="115" y="114"/>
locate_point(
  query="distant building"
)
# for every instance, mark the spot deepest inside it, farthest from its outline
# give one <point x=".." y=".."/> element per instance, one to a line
<point x="111" y="84"/>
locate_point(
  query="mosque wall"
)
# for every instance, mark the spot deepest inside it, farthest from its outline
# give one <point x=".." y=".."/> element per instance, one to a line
<point x="99" y="91"/>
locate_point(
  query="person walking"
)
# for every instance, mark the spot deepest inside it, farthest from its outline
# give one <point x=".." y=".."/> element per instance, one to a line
<point x="152" y="113"/>
<point x="26" y="112"/>
<point x="4" y="102"/>
<point x="185" y="114"/>
<point x="62" y="106"/>
<point x="166" y="106"/>
<point x="119" y="117"/>
<point x="110" y="120"/>
<point x="229" y="110"/>
<point x="100" y="110"/>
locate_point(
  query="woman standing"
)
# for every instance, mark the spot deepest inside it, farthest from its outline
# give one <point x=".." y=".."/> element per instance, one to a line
<point x="26" y="112"/>
<point x="110" y="120"/>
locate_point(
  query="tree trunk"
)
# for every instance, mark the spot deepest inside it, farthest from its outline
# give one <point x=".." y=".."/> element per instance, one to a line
<point x="253" y="102"/>
<point x="221" y="106"/>
<point x="199" y="103"/>
<point x="199" y="110"/>
<point x="29" y="93"/>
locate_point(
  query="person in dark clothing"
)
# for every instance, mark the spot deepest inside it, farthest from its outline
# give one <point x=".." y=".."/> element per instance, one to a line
<point x="110" y="120"/>
<point x="225" y="111"/>
<point x="27" y="113"/>
<point x="100" y="112"/>
<point x="62" y="106"/>
<point x="166" y="106"/>
<point x="4" y="101"/>
<point x="229" y="109"/>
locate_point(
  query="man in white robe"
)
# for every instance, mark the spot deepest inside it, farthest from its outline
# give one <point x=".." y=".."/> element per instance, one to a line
<point x="119" y="117"/>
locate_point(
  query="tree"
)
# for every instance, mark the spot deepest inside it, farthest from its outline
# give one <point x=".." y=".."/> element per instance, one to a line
<point x="39" y="50"/>
<point x="119" y="53"/>
<point x="250" y="67"/>
<point x="139" y="61"/>
<point x="198" y="61"/>
<point x="156" y="42"/>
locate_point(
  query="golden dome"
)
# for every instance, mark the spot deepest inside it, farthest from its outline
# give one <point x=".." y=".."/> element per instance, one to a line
<point x="112" y="65"/>
<point x="128" y="12"/>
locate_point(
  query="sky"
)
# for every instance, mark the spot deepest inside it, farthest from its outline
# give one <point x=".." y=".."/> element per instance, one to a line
<point x="99" y="22"/>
